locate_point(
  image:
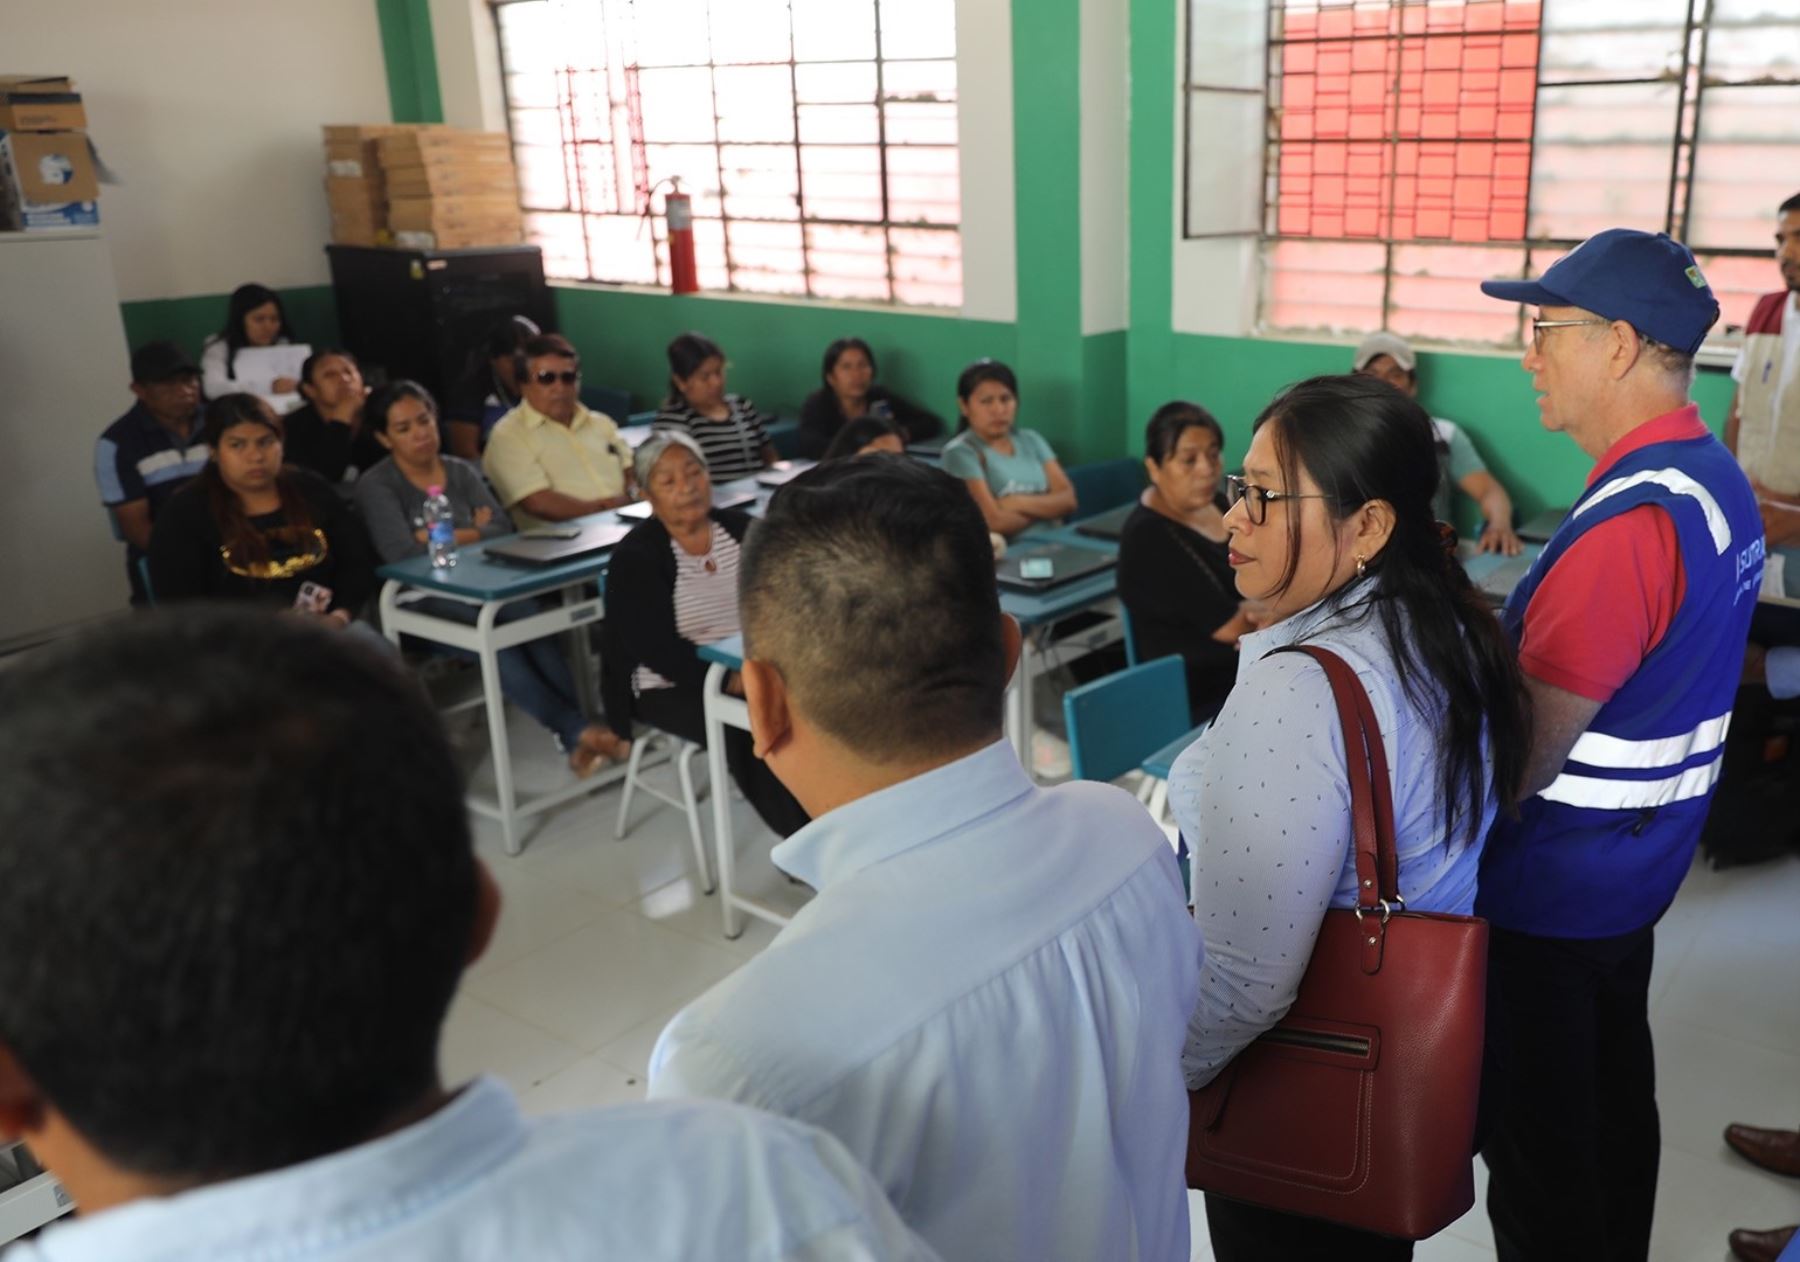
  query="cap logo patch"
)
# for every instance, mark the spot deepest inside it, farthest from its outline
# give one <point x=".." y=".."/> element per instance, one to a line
<point x="1695" y="278"/>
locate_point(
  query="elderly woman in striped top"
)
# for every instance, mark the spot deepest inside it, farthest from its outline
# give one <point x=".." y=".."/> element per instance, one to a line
<point x="671" y="587"/>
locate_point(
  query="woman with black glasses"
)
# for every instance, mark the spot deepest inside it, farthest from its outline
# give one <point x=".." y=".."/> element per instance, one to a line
<point x="1331" y="530"/>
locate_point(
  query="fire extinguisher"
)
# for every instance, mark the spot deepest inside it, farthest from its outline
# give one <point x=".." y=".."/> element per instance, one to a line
<point x="679" y="209"/>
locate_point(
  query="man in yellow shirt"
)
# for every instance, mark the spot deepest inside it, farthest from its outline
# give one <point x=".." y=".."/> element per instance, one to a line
<point x="550" y="458"/>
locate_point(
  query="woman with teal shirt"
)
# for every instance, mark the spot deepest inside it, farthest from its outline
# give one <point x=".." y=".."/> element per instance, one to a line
<point x="1012" y="473"/>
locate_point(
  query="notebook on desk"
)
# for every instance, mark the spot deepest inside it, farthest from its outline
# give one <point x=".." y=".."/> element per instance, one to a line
<point x="782" y="472"/>
<point x="1107" y="525"/>
<point x="1040" y="568"/>
<point x="1540" y="528"/>
<point x="552" y="545"/>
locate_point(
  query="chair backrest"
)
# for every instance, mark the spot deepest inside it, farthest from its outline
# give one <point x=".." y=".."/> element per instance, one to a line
<point x="1131" y="653"/>
<point x="1106" y="484"/>
<point x="1116" y="722"/>
<point x="611" y="400"/>
<point x="143" y="569"/>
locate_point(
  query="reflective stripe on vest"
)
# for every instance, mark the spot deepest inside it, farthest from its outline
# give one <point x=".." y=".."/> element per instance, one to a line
<point x="1679" y="483"/>
<point x="1596" y="749"/>
<point x="1599" y="794"/>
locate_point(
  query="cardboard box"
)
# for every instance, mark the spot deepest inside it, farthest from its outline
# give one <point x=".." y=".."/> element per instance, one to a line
<point x="428" y="214"/>
<point x="484" y="180"/>
<point x="47" y="180"/>
<point x="458" y="239"/>
<point x="411" y="148"/>
<point x="40" y="103"/>
<point x="358" y="195"/>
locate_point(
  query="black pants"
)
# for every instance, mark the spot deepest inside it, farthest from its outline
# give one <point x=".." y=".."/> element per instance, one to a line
<point x="1572" y="1138"/>
<point x="1249" y="1233"/>
<point x="681" y="712"/>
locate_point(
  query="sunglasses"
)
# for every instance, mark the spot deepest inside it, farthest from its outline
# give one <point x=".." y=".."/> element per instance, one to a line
<point x="545" y="377"/>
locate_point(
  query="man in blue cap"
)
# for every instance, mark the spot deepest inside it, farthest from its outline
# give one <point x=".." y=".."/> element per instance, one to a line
<point x="1631" y="628"/>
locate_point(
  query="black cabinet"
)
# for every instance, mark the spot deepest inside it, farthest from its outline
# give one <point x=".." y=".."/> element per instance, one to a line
<point x="418" y="313"/>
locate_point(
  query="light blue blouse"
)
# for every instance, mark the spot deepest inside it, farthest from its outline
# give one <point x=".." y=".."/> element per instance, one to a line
<point x="1022" y="473"/>
<point x="1264" y="803"/>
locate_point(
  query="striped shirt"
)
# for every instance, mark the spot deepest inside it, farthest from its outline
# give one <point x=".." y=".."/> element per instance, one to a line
<point x="733" y="446"/>
<point x="706" y="605"/>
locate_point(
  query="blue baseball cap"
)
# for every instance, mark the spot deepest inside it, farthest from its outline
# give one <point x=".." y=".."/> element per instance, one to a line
<point x="1649" y="280"/>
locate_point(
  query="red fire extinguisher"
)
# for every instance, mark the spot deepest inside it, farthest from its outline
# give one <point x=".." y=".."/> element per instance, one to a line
<point x="679" y="208"/>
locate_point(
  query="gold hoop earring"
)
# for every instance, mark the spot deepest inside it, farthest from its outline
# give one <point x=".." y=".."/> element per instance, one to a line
<point x="1362" y="567"/>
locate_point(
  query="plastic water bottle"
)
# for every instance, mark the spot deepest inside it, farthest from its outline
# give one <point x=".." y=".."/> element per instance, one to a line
<point x="440" y="528"/>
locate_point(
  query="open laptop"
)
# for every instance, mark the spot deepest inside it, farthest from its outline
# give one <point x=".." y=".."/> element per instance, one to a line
<point x="552" y="545"/>
<point x="1040" y="567"/>
<point x="782" y="472"/>
<point x="1540" y="528"/>
<point x="1107" y="525"/>
<point x="640" y="511"/>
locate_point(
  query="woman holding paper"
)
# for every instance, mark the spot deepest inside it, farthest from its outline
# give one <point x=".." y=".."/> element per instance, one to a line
<point x="257" y="353"/>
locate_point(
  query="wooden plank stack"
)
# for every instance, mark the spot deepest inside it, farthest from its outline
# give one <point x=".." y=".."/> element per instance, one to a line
<point x="421" y="186"/>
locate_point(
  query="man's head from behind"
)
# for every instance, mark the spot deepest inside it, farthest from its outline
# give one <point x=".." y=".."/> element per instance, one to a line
<point x="236" y="894"/>
<point x="871" y="621"/>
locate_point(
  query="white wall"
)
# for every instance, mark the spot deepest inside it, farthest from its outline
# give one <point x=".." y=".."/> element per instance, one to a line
<point x="1105" y="165"/>
<point x="209" y="110"/>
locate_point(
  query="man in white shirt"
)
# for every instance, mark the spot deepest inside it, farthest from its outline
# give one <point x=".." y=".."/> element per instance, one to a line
<point x="237" y="891"/>
<point x="1763" y="429"/>
<point x="988" y="997"/>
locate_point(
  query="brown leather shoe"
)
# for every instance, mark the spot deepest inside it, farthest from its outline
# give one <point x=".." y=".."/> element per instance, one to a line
<point x="1760" y="1246"/>
<point x="1777" y="1151"/>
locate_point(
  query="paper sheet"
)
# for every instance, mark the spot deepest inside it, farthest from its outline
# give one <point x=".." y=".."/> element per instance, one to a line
<point x="266" y="363"/>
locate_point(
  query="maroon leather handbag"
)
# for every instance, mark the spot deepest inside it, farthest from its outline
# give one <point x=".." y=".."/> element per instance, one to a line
<point x="1359" y="1106"/>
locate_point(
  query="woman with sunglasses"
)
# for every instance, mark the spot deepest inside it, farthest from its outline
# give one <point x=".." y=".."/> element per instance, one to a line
<point x="551" y="458"/>
<point x="1331" y="528"/>
<point x="728" y="427"/>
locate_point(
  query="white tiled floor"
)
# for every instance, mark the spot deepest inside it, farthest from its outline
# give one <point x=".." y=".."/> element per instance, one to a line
<point x="601" y="941"/>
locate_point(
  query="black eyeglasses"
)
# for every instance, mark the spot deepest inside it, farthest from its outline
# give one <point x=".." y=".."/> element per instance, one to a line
<point x="545" y="377"/>
<point x="1255" y="499"/>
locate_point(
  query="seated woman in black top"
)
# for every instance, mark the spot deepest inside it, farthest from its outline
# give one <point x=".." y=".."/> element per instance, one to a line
<point x="489" y="387"/>
<point x="1174" y="579"/>
<point x="249" y="529"/>
<point x="864" y="435"/>
<point x="671" y="587"/>
<point x="329" y="435"/>
<point x="850" y="393"/>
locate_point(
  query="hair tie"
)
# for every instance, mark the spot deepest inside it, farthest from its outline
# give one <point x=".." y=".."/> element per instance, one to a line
<point x="1447" y="540"/>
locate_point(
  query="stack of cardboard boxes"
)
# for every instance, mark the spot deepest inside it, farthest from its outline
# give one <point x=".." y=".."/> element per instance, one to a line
<point x="47" y="172"/>
<point x="426" y="187"/>
<point x="449" y="189"/>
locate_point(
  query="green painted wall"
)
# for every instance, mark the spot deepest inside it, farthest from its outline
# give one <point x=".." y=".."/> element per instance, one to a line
<point x="1150" y="348"/>
<point x="311" y="312"/>
<point x="411" y="57"/>
<point x="1489" y="395"/>
<point x="773" y="348"/>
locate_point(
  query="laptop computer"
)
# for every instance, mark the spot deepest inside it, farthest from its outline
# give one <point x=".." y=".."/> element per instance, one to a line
<point x="552" y="545"/>
<point x="1107" y="525"/>
<point x="1540" y="528"/>
<point x="640" y="511"/>
<point x="1037" y="568"/>
<point x="782" y="472"/>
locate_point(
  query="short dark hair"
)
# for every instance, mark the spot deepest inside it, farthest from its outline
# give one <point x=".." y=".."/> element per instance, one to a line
<point x="1790" y="205"/>
<point x="322" y="354"/>
<point x="1173" y="419"/>
<point x="237" y="888"/>
<point x="686" y="353"/>
<point x="835" y="351"/>
<point x="375" y="411"/>
<point x="857" y="434"/>
<point x="870" y="586"/>
<point x="985" y="370"/>
<point x="540" y="347"/>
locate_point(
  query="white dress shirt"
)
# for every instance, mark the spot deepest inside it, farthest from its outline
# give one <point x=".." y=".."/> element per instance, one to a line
<point x="986" y="1002"/>
<point x="1263" y="799"/>
<point x="475" y="1180"/>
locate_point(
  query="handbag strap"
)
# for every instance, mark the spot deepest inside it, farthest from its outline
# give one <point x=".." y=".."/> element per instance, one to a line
<point x="1371" y="795"/>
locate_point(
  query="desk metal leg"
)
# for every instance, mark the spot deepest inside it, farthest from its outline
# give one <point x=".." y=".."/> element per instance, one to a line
<point x="499" y="748"/>
<point x="725" y="845"/>
<point x="390" y="601"/>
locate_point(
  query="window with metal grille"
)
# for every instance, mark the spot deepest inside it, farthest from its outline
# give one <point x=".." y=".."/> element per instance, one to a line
<point x="817" y="139"/>
<point x="1410" y="148"/>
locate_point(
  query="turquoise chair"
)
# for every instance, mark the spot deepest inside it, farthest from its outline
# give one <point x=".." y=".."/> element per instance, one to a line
<point x="1106" y="484"/>
<point x="1116" y="722"/>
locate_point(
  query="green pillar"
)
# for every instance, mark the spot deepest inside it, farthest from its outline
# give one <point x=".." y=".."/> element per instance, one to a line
<point x="411" y="58"/>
